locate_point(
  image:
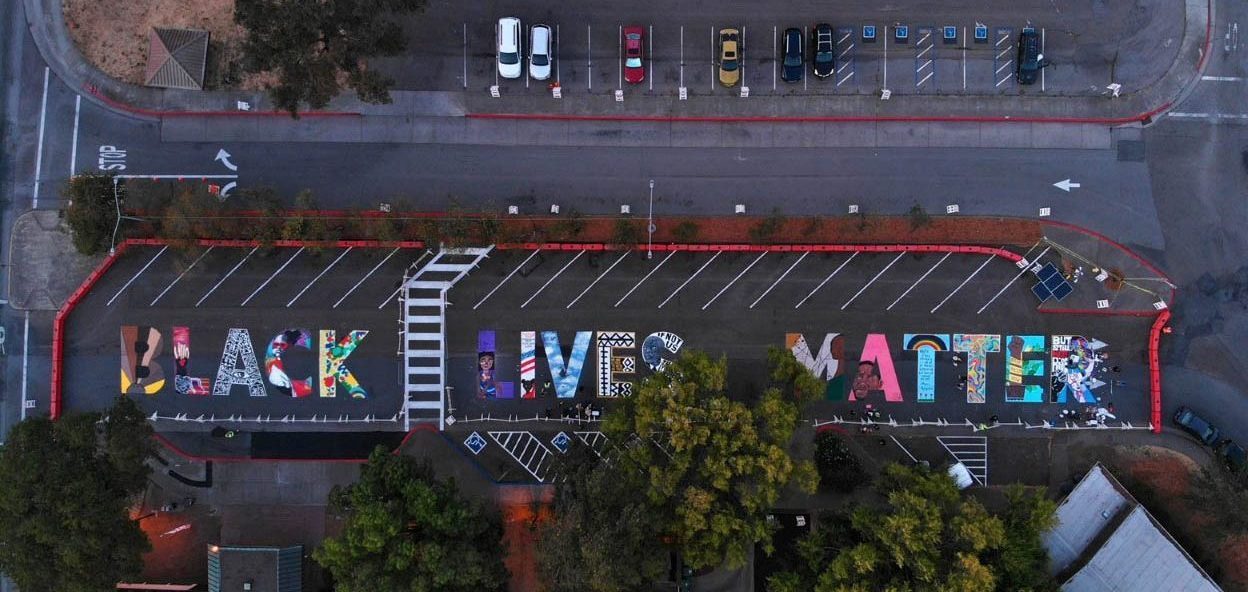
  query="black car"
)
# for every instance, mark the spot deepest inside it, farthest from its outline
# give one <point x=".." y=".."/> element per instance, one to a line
<point x="1234" y="456"/>
<point x="794" y="56"/>
<point x="1197" y="426"/>
<point x="825" y="50"/>
<point x="1030" y="60"/>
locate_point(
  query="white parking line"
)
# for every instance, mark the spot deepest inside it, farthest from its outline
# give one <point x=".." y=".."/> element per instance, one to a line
<point x="741" y="56"/>
<point x="319" y="276"/>
<point x="619" y="57"/>
<point x="180" y="276"/>
<point x="558" y="60"/>
<point x="527" y="70"/>
<point x="43" y="113"/>
<point x="964" y="282"/>
<point x="805" y="38"/>
<point x="373" y="270"/>
<point x="877" y="276"/>
<point x="496" y="65"/>
<point x="600" y="276"/>
<point x="1042" y="53"/>
<point x="650" y="55"/>
<point x="774" y="65"/>
<point x="964" y="50"/>
<point x="136" y="276"/>
<point x="25" y="360"/>
<point x="1219" y="78"/>
<point x="714" y="57"/>
<point x="266" y="282"/>
<point x="778" y="280"/>
<point x="885" y="56"/>
<point x="827" y="279"/>
<point x="918" y="281"/>
<point x="73" y="149"/>
<point x="552" y="278"/>
<point x="682" y="56"/>
<point x="228" y="274"/>
<point x="734" y="280"/>
<point x="690" y="278"/>
<point x="638" y="284"/>
<point x="466" y="55"/>
<point x="1011" y="282"/>
<point x="589" y="55"/>
<point x="500" y="284"/>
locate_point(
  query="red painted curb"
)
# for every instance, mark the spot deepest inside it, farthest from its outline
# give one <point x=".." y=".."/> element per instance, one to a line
<point x="1154" y="366"/>
<point x="95" y="92"/>
<point x="1140" y="118"/>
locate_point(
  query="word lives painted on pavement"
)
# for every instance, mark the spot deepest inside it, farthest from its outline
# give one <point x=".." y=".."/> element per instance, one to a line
<point x="142" y="372"/>
<point x="1072" y="373"/>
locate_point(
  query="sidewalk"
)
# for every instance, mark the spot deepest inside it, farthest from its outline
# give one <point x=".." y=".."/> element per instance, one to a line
<point x="48" y="28"/>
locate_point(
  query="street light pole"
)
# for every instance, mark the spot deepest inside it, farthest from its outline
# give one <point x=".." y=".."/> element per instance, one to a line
<point x="650" y="226"/>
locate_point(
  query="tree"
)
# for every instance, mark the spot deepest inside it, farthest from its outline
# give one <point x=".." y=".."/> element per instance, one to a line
<point x="65" y="492"/>
<point x="314" y="46"/>
<point x="92" y="212"/>
<point x="407" y="530"/>
<point x="711" y="467"/>
<point x="603" y="537"/>
<point x="921" y="534"/>
<point x="839" y="468"/>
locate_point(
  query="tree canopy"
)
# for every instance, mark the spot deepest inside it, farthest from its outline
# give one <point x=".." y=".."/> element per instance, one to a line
<point x="313" y="47"/>
<point x="66" y="489"/>
<point x="407" y="530"/>
<point x="92" y="212"/>
<point x="922" y="535"/>
<point x="710" y="467"/>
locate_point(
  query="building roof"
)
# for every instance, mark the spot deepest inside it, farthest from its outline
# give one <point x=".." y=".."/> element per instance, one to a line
<point x="1094" y="502"/>
<point x="176" y="58"/>
<point x="1140" y="556"/>
<point x="1105" y="541"/>
<point x="259" y="569"/>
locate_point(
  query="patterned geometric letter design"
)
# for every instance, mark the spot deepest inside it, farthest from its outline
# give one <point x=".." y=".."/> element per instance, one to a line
<point x="238" y="350"/>
<point x="609" y="364"/>
<point x="333" y="363"/>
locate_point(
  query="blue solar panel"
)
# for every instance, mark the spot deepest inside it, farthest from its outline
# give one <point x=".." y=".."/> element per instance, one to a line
<point x="1062" y="291"/>
<point x="1054" y="281"/>
<point x="1046" y="272"/>
<point x="1041" y="292"/>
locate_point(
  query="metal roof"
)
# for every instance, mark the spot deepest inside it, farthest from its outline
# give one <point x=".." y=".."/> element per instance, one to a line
<point x="1093" y="504"/>
<point x="1111" y="543"/>
<point x="1139" y="556"/>
<point x="176" y="58"/>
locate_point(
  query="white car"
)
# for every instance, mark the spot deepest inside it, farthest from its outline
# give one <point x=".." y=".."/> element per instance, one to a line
<point x="509" y="47"/>
<point x="539" y="52"/>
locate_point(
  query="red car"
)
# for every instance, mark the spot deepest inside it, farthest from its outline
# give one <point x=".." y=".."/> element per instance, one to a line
<point x="634" y="42"/>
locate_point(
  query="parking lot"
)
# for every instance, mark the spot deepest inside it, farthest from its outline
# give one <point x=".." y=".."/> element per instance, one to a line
<point x="914" y="55"/>
<point x="618" y="315"/>
<point x="244" y="333"/>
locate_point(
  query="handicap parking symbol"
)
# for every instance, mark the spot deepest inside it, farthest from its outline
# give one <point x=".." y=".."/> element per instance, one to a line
<point x="475" y="443"/>
<point x="561" y="441"/>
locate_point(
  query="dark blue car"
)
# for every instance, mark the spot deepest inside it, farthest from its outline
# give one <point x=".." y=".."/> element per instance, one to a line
<point x="794" y="56"/>
<point x="1197" y="426"/>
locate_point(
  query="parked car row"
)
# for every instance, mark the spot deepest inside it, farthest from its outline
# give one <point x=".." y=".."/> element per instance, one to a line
<point x="511" y="54"/>
<point x="1232" y="454"/>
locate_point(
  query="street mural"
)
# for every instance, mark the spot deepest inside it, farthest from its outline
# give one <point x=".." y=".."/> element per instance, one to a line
<point x="926" y="345"/>
<point x="610" y="364"/>
<point x="828" y="364"/>
<point x="142" y="371"/>
<point x="876" y="374"/>
<point x="658" y="348"/>
<point x="977" y="347"/>
<point x="140" y="374"/>
<point x="566" y="375"/>
<point x="528" y="364"/>
<point x="486" y="387"/>
<point x="1024" y="368"/>
<point x="1072" y="368"/>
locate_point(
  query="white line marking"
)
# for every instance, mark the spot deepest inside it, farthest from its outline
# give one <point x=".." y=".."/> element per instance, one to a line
<point x="619" y="57"/>
<point x="690" y="278"/>
<point x="682" y="56"/>
<point x="73" y="149"/>
<point x="180" y="276"/>
<point x="964" y="58"/>
<point x="964" y="282"/>
<point x="925" y="79"/>
<point x="805" y="36"/>
<point x="1003" y="52"/>
<point x="466" y="55"/>
<point x="650" y="55"/>
<point x="222" y="280"/>
<point x="877" y="276"/>
<point x="924" y="38"/>
<point x="589" y="55"/>
<point x="552" y="278"/>
<point x="25" y="360"/>
<point x="924" y="51"/>
<point x="885" y="57"/>
<point x="43" y="113"/>
<point x="1011" y="282"/>
<point x="714" y="56"/>
<point x="374" y="270"/>
<point x="1042" y="53"/>
<point x="774" y="49"/>
<point x="1004" y="66"/>
<point x="1210" y="115"/>
<point x="919" y="281"/>
<point x="734" y="280"/>
<point x="500" y="284"/>
<point x="136" y="276"/>
<point x="266" y="282"/>
<point x="778" y="280"/>
<point x="847" y="77"/>
<point x="827" y="279"/>
<point x="638" y="285"/>
<point x="178" y="177"/>
<point x="403" y="283"/>
<point x="846" y="37"/>
<point x="1222" y="78"/>
<point x="1003" y="39"/>
<point x="318" y="276"/>
<point x="600" y="276"/>
<point x="558" y="60"/>
<point x="925" y="65"/>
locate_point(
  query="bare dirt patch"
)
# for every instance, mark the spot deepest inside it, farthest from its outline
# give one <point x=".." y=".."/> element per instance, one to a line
<point x="114" y="35"/>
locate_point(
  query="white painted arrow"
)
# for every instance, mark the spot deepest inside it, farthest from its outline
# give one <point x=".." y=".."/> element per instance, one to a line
<point x="225" y="191"/>
<point x="224" y="157"/>
<point x="1066" y="185"/>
